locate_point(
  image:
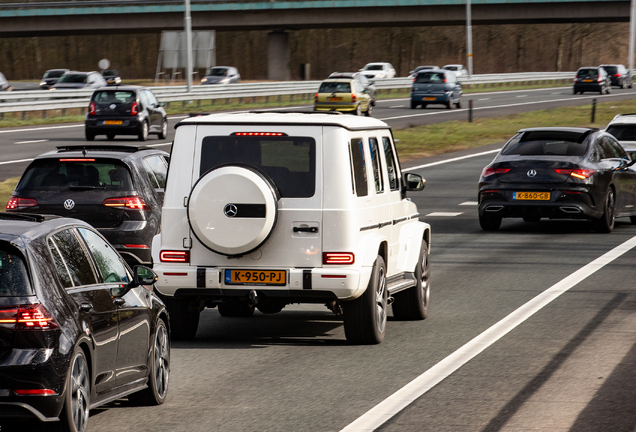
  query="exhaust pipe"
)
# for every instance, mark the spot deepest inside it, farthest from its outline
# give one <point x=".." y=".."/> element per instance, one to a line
<point x="494" y="208"/>
<point x="570" y="210"/>
<point x="252" y="298"/>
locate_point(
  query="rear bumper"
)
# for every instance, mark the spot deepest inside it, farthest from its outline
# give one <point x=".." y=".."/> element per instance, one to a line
<point x="129" y="126"/>
<point x="345" y="107"/>
<point x="134" y="234"/>
<point x="431" y="98"/>
<point x="583" y="87"/>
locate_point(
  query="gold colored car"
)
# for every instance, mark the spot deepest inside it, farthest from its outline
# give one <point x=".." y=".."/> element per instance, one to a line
<point x="343" y="94"/>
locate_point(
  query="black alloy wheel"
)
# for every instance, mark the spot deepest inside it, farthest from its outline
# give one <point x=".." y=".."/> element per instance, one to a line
<point x="78" y="394"/>
<point x="90" y="136"/>
<point x="605" y="223"/>
<point x="159" y="370"/>
<point x="489" y="222"/>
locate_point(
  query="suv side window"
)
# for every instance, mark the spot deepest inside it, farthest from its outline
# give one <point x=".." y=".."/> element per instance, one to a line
<point x="391" y="164"/>
<point x="156" y="170"/>
<point x="377" y="164"/>
<point x="71" y="261"/>
<point x="358" y="163"/>
<point x="108" y="262"/>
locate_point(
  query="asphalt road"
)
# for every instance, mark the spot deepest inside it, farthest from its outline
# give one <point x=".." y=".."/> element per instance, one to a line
<point x="559" y="355"/>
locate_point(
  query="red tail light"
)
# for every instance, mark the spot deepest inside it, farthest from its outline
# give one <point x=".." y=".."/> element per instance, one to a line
<point x="599" y="79"/>
<point x="18" y="203"/>
<point x="577" y="173"/>
<point x="133" y="110"/>
<point x="488" y="171"/>
<point x="27" y="317"/>
<point x="35" y="392"/>
<point x="338" y="258"/>
<point x="316" y="97"/>
<point x="91" y="108"/>
<point x="354" y="98"/>
<point x="174" y="256"/>
<point x="617" y="75"/>
<point x="130" y="202"/>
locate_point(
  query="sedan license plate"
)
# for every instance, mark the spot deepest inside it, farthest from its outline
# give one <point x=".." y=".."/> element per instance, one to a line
<point x="531" y="196"/>
<point x="588" y="80"/>
<point x="255" y="277"/>
<point x="429" y="98"/>
<point x="113" y="122"/>
<point x="334" y="99"/>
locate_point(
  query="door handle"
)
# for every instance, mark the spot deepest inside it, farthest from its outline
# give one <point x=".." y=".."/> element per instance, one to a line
<point x="85" y="307"/>
<point x="306" y="229"/>
<point x="119" y="301"/>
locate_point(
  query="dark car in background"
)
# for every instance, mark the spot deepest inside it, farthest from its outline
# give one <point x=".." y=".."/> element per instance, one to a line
<point x="559" y="173"/>
<point x="79" y="329"/>
<point x="117" y="189"/>
<point x="619" y="75"/>
<point x="111" y="76"/>
<point x="79" y="80"/>
<point x="50" y="77"/>
<point x="125" y="110"/>
<point x="436" y="86"/>
<point x="221" y="75"/>
<point x="367" y="84"/>
<point x="591" y="79"/>
<point x="413" y="73"/>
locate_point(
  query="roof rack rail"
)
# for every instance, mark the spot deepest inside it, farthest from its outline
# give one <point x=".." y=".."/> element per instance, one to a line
<point x="29" y="217"/>
<point x="97" y="147"/>
<point x="296" y="112"/>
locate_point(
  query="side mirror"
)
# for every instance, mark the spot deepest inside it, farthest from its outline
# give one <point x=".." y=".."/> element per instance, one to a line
<point x="162" y="104"/>
<point x="143" y="276"/>
<point x="413" y="182"/>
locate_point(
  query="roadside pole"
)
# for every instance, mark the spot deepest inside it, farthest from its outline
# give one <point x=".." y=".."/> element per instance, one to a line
<point x="632" y="35"/>
<point x="469" y="38"/>
<point x="187" y="22"/>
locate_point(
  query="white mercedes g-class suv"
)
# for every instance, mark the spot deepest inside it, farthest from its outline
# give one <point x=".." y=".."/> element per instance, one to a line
<point x="262" y="210"/>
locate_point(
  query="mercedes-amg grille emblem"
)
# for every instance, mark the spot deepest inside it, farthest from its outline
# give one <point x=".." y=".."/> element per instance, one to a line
<point x="230" y="210"/>
<point x="532" y="173"/>
<point x="69" y="204"/>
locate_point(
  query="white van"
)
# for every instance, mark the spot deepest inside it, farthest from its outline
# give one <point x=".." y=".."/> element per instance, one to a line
<point x="262" y="210"/>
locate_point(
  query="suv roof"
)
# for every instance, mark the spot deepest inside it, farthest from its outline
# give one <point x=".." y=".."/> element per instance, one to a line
<point x="623" y="119"/>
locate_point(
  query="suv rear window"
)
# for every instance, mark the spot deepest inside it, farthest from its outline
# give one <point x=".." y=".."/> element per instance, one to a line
<point x="431" y="78"/>
<point x="335" y="87"/>
<point x="53" y="174"/>
<point x="547" y="143"/>
<point x="289" y="161"/>
<point x="623" y="132"/>
<point x="14" y="278"/>
<point x="109" y="97"/>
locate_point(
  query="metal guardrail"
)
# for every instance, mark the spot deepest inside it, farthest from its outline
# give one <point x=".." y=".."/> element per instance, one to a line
<point x="46" y="100"/>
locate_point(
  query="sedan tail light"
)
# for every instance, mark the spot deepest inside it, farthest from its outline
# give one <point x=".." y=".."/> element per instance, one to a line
<point x="19" y="203"/>
<point x="133" y="110"/>
<point x="133" y="202"/>
<point x="27" y="317"/>
<point x="577" y="173"/>
<point x="489" y="171"/>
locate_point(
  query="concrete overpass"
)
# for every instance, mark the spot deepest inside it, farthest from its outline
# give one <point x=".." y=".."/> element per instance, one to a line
<point x="136" y="16"/>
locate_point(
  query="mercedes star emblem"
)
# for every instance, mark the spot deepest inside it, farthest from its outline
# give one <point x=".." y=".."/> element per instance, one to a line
<point x="532" y="173"/>
<point x="230" y="210"/>
<point x="69" y="204"/>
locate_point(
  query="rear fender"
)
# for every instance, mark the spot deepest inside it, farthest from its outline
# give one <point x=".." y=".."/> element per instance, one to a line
<point x="369" y="248"/>
<point x="411" y="235"/>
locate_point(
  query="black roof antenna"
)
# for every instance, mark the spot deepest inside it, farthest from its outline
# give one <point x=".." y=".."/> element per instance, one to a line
<point x="84" y="151"/>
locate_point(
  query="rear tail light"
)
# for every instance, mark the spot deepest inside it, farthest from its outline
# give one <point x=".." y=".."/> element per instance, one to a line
<point x="91" y="108"/>
<point x="18" y="203"/>
<point x="316" y="97"/>
<point x="617" y="75"/>
<point x="133" y="110"/>
<point x="136" y="246"/>
<point x="130" y="202"/>
<point x="35" y="392"/>
<point x="599" y="79"/>
<point x="354" y="98"/>
<point x="489" y="171"/>
<point x="338" y="258"/>
<point x="174" y="256"/>
<point x="577" y="173"/>
<point x="27" y="317"/>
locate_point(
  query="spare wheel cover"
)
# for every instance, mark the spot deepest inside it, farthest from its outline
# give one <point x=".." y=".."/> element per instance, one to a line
<point x="232" y="210"/>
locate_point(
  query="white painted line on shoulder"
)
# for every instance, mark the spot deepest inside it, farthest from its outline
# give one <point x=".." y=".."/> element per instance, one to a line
<point x="443" y="214"/>
<point x="30" y="142"/>
<point x="397" y="106"/>
<point x="451" y="160"/>
<point x="16" y="161"/>
<point x="402" y="398"/>
<point x="41" y="128"/>
<point x="470" y="203"/>
<point x="521" y="96"/>
<point x="483" y="99"/>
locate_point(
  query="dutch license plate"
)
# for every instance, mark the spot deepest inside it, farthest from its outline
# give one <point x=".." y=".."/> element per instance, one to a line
<point x="255" y="277"/>
<point x="532" y="196"/>
<point x="334" y="99"/>
<point x="429" y="98"/>
<point x="588" y="80"/>
<point x="112" y="122"/>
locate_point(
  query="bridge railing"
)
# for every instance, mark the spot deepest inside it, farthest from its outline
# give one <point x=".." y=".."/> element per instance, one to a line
<point x="48" y="100"/>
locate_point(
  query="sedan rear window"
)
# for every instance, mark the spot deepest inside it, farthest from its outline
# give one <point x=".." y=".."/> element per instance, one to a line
<point x="547" y="143"/>
<point x="430" y="78"/>
<point x="55" y="174"/>
<point x="335" y="87"/>
<point x="14" y="278"/>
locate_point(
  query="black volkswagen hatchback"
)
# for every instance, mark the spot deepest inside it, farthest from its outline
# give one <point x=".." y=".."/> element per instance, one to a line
<point x="78" y="328"/>
<point x="117" y="189"/>
<point x="559" y="173"/>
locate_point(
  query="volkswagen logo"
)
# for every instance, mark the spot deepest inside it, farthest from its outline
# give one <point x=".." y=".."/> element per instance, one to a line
<point x="69" y="204"/>
<point x="112" y="106"/>
<point x="230" y="210"/>
<point x="532" y="173"/>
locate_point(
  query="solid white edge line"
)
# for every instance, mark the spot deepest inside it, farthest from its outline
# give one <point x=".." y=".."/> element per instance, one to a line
<point x="399" y="400"/>
<point x="16" y="161"/>
<point x="41" y="128"/>
<point x="450" y="160"/>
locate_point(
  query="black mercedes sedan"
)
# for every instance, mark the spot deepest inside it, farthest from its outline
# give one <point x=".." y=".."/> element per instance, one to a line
<point x="558" y="173"/>
<point x="78" y="328"/>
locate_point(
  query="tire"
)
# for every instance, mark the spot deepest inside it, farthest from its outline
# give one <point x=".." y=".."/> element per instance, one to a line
<point x="357" y="111"/>
<point x="268" y="306"/>
<point x="110" y="137"/>
<point x="574" y="92"/>
<point x="449" y="105"/>
<point x="90" y="136"/>
<point x="423" y="106"/>
<point x="159" y="370"/>
<point x="459" y="103"/>
<point x="632" y="219"/>
<point x="236" y="309"/>
<point x="369" y="110"/>
<point x="412" y="304"/>
<point x="414" y="105"/>
<point x="164" y="130"/>
<point x="365" y="317"/>
<point x="605" y="223"/>
<point x="623" y="85"/>
<point x="532" y="218"/>
<point x="184" y="318"/>
<point x="77" y="402"/>
<point x="489" y="223"/>
<point x="608" y="90"/>
<point x="143" y="131"/>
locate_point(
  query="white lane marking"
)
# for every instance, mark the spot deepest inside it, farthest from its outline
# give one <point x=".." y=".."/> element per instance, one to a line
<point x="483" y="99"/>
<point x="443" y="214"/>
<point x="451" y="160"/>
<point x="399" y="400"/>
<point x="470" y="203"/>
<point x="30" y="142"/>
<point x="16" y="161"/>
<point x="42" y="128"/>
<point x="522" y="96"/>
<point x="397" y="106"/>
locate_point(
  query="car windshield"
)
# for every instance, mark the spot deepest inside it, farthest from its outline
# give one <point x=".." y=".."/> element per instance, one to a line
<point x="431" y="78"/>
<point x="453" y="68"/>
<point x="547" y="143"/>
<point x="116" y="97"/>
<point x="14" y="278"/>
<point x="289" y="161"/>
<point x="587" y="72"/>
<point x="73" y="78"/>
<point x="53" y="74"/>
<point x="373" y="67"/>
<point x="112" y="72"/>
<point x="623" y="132"/>
<point x="70" y="173"/>
<point x="335" y="87"/>
<point x="217" y="72"/>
